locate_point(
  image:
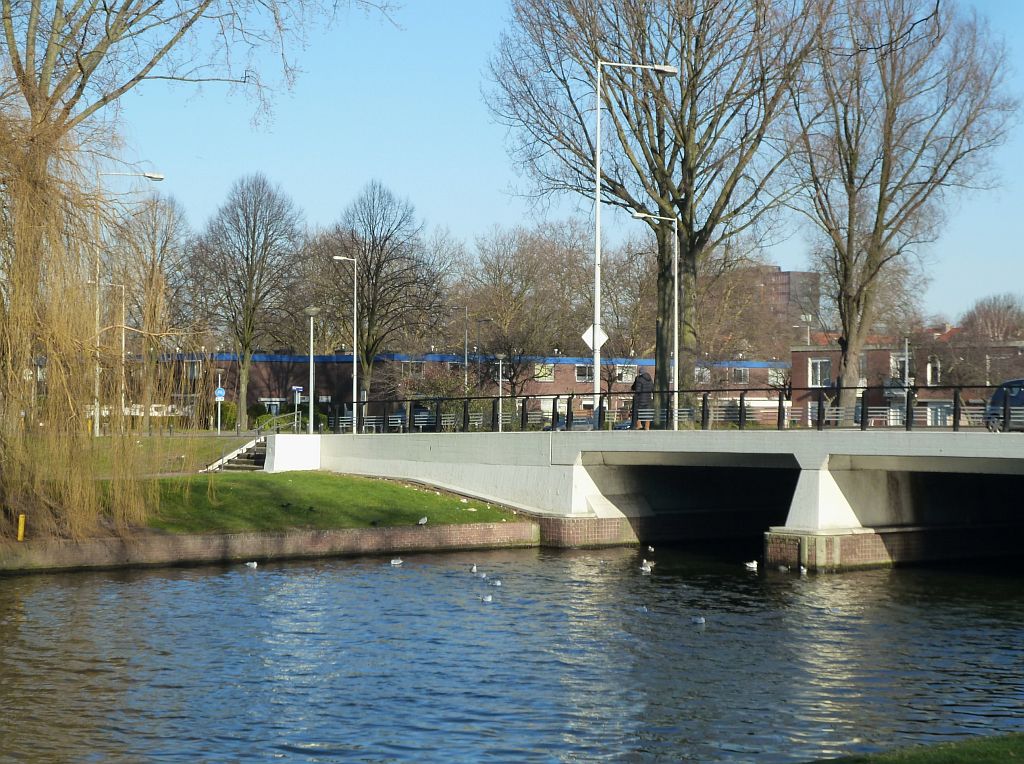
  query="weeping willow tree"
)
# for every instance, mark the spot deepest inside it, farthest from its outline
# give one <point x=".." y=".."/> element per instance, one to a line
<point x="63" y="69"/>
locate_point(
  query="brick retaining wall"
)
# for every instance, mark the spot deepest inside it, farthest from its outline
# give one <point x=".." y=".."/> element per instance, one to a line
<point x="885" y="547"/>
<point x="159" y="549"/>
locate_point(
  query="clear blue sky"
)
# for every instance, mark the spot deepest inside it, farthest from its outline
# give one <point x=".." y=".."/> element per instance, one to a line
<point x="404" y="105"/>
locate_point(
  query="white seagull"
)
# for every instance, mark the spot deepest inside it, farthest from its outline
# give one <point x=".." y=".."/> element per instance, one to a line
<point x="646" y="566"/>
<point x="251" y="564"/>
<point x="473" y="569"/>
<point x="423" y="520"/>
<point x="486" y="598"/>
<point x="697" y="619"/>
<point x="752" y="565"/>
<point x="396" y="561"/>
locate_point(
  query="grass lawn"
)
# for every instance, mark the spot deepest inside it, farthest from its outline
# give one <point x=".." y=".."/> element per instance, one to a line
<point x="258" y="501"/>
<point x="162" y="453"/>
<point x="979" y="750"/>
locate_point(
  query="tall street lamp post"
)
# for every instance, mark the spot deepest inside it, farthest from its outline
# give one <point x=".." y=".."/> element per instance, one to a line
<point x="501" y="388"/>
<point x="663" y="69"/>
<point x="355" y="339"/>
<point x="675" y="310"/>
<point x="312" y="311"/>
<point x="153" y="176"/>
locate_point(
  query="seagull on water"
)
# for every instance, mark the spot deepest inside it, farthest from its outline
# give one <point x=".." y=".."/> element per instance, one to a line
<point x="650" y="549"/>
<point x="496" y="582"/>
<point x="473" y="569"/>
<point x="397" y="561"/>
<point x="251" y="564"/>
<point x="803" y="570"/>
<point x="646" y="566"/>
<point x="487" y="598"/>
<point x="698" y="619"/>
<point x="752" y="565"/>
<point x="423" y="520"/>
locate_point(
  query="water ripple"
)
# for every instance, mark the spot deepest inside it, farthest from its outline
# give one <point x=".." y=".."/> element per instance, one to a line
<point x="577" y="657"/>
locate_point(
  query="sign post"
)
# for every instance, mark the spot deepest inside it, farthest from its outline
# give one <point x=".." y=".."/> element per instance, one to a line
<point x="218" y="395"/>
<point x="298" y="400"/>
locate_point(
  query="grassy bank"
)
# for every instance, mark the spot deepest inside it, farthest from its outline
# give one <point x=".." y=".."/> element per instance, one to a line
<point x="239" y="502"/>
<point x="153" y="454"/>
<point x="981" y="750"/>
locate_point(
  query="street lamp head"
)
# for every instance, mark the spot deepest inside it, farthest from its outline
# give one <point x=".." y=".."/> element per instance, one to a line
<point x="500" y="356"/>
<point x="665" y="69"/>
<point x="342" y="257"/>
<point x="154" y="176"/>
<point x="312" y="311"/>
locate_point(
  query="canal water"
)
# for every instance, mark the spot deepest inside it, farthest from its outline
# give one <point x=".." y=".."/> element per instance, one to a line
<point x="578" y="656"/>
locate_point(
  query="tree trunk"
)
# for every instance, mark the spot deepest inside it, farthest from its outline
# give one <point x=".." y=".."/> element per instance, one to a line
<point x="663" y="345"/>
<point x="244" y="362"/>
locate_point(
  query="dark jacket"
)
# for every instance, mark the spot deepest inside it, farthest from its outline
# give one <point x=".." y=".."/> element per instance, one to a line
<point x="643" y="386"/>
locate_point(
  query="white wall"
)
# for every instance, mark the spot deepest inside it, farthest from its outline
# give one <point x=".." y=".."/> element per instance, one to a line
<point x="287" y="453"/>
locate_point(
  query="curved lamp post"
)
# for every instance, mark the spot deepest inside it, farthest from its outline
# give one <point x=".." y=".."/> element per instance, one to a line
<point x="662" y="69"/>
<point x="675" y="310"/>
<point x="312" y="311"/>
<point x="355" y="338"/>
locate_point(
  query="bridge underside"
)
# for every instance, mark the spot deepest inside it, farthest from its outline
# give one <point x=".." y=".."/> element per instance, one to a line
<point x="828" y="501"/>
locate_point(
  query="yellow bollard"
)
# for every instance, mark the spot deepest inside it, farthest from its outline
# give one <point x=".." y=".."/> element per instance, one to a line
<point x="21" y="527"/>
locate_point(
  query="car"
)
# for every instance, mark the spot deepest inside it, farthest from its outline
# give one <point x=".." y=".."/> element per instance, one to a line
<point x="578" y="423"/>
<point x="1014" y="389"/>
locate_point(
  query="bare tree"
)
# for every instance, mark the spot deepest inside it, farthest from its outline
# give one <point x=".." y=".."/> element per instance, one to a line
<point x="401" y="278"/>
<point x="699" y="148"/>
<point x="995" y="318"/>
<point x="902" y="106"/>
<point x="150" y="259"/>
<point x="246" y="258"/>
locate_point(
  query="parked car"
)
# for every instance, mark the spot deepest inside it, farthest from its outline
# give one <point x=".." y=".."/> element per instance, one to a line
<point x="578" y="423"/>
<point x="1013" y="388"/>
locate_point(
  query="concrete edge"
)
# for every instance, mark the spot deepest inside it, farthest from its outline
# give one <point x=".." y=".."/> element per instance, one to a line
<point x="153" y="550"/>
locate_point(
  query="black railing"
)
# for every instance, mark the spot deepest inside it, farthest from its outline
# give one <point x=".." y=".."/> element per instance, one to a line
<point x="940" y="407"/>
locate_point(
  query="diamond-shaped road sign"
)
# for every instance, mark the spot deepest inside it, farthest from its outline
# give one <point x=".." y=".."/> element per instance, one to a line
<point x="588" y="337"/>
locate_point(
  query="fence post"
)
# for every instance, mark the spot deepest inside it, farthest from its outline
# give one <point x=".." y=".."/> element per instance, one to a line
<point x="909" y="416"/>
<point x="568" y="412"/>
<point x="524" y="414"/>
<point x="705" y="413"/>
<point x="465" y="414"/>
<point x="864" y="408"/>
<point x="957" y="409"/>
<point x="494" y="415"/>
<point x="821" y="409"/>
<point x="599" y="408"/>
<point x="743" y="410"/>
<point x="554" y="414"/>
<point x="780" y="419"/>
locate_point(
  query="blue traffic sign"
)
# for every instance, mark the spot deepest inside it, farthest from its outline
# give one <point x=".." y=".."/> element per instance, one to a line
<point x="219" y="392"/>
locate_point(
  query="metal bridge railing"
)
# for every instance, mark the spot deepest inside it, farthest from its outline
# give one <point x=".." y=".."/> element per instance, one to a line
<point x="883" y="407"/>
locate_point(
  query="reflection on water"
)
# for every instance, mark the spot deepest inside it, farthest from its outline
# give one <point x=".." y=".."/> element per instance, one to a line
<point x="579" y="656"/>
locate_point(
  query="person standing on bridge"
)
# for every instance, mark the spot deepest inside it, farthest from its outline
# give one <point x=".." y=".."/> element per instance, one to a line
<point x="643" y="400"/>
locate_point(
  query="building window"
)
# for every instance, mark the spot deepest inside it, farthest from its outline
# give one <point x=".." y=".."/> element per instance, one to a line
<point x="898" y="366"/>
<point x="820" y="372"/>
<point x="412" y="369"/>
<point x="934" y="370"/>
<point x="740" y="375"/>
<point x="777" y="377"/>
<point x="625" y="372"/>
<point x="544" y="372"/>
<point x="584" y="372"/>
<point x="702" y="375"/>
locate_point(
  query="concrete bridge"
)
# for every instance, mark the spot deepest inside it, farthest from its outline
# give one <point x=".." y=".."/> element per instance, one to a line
<point x="829" y="500"/>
